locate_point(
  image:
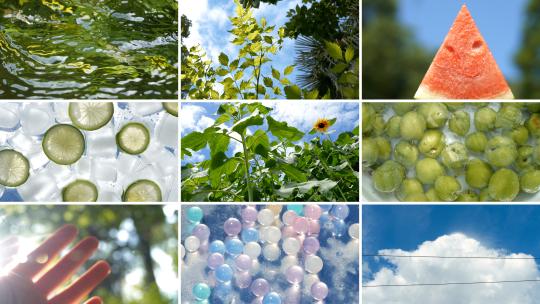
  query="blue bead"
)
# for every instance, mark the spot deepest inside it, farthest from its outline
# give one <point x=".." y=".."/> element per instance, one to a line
<point x="201" y="291"/>
<point x="195" y="214"/>
<point x="217" y="246"/>
<point x="272" y="298"/>
<point x="224" y="273"/>
<point x="222" y="290"/>
<point x="339" y="228"/>
<point x="250" y="235"/>
<point x="234" y="246"/>
<point x="325" y="208"/>
<point x="340" y="211"/>
<point x="299" y="209"/>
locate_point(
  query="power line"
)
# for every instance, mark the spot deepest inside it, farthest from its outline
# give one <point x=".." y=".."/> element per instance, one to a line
<point x="451" y="283"/>
<point x="449" y="257"/>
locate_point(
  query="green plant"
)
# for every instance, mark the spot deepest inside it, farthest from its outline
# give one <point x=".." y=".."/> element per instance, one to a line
<point x="272" y="164"/>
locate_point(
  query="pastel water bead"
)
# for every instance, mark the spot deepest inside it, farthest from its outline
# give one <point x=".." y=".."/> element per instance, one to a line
<point x="224" y="273"/>
<point x="215" y="260"/>
<point x="300" y="225"/>
<point x="312" y="211"/>
<point x="276" y="209"/>
<point x="234" y="246"/>
<point x="259" y="287"/>
<point x="340" y="211"/>
<point x="201" y="231"/>
<point x="325" y="208"/>
<point x="354" y="231"/>
<point x="253" y="250"/>
<point x="192" y="243"/>
<point x="249" y="235"/>
<point x="270" y="234"/>
<point x="271" y="252"/>
<point x="294" y="274"/>
<point x="299" y="209"/>
<point x="271" y="298"/>
<point x="249" y="214"/>
<point x="319" y="291"/>
<point x="288" y="217"/>
<point x="195" y="214"/>
<point x="314" y="227"/>
<point x="182" y="252"/>
<point x="313" y="263"/>
<point x="242" y="279"/>
<point x="242" y="262"/>
<point x="232" y="226"/>
<point x="217" y="246"/>
<point x="288" y="261"/>
<point x="311" y="245"/>
<point x="223" y="290"/>
<point x="265" y="217"/>
<point x="201" y="291"/>
<point x="291" y="246"/>
<point x="288" y="231"/>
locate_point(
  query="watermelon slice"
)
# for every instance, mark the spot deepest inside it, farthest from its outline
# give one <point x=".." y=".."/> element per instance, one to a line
<point x="464" y="67"/>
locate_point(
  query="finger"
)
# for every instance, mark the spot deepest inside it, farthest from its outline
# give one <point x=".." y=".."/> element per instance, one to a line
<point x="94" y="300"/>
<point x="46" y="252"/>
<point x="84" y="285"/>
<point x="67" y="266"/>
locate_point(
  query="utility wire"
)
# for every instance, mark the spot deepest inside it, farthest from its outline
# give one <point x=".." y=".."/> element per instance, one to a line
<point x="451" y="283"/>
<point x="449" y="257"/>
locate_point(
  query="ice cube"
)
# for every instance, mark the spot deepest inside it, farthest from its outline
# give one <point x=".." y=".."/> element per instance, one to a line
<point x="167" y="131"/>
<point x="147" y="172"/>
<point x="9" y="115"/>
<point x="61" y="113"/>
<point x="39" y="188"/>
<point x="127" y="163"/>
<point x="35" y="120"/>
<point x="83" y="167"/>
<point x="109" y="196"/>
<point x="37" y="160"/>
<point x="165" y="161"/>
<point x="172" y="188"/>
<point x="23" y="143"/>
<point x="60" y="174"/>
<point x="101" y="143"/>
<point x="103" y="169"/>
<point x="145" y="108"/>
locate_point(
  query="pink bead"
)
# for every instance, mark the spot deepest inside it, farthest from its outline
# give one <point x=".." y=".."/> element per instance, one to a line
<point x="215" y="260"/>
<point x="294" y="274"/>
<point x="201" y="231"/>
<point x="300" y="225"/>
<point x="249" y="214"/>
<point x="243" y="262"/>
<point x="319" y="291"/>
<point x="242" y="279"/>
<point x="289" y="217"/>
<point x="311" y="245"/>
<point x="287" y="231"/>
<point x="232" y="226"/>
<point x="313" y="227"/>
<point x="260" y="287"/>
<point x="312" y="211"/>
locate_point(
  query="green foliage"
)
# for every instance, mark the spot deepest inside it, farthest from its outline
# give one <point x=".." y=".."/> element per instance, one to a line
<point x="198" y="77"/>
<point x="528" y="57"/>
<point x="268" y="170"/>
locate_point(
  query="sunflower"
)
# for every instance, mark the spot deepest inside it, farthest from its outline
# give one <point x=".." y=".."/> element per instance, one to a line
<point x="321" y="125"/>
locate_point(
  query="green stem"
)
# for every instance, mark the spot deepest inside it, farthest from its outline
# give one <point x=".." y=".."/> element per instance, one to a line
<point x="246" y="163"/>
<point x="327" y="168"/>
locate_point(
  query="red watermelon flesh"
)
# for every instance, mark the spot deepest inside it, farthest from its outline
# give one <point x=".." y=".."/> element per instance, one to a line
<point x="464" y="67"/>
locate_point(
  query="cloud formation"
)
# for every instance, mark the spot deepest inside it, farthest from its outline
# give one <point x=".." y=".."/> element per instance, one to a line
<point x="407" y="271"/>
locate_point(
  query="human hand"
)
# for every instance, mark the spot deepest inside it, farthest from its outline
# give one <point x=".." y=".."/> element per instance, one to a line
<point x="39" y="279"/>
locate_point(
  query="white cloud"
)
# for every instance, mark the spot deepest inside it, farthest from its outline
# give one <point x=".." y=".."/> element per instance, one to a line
<point x="407" y="271"/>
<point x="193" y="119"/>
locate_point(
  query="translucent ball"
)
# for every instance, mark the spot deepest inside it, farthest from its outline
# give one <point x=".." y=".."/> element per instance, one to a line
<point x="288" y="231"/>
<point x="319" y="291"/>
<point x="288" y="217"/>
<point x="265" y="217"/>
<point x="294" y="274"/>
<point x="260" y="287"/>
<point x="325" y="208"/>
<point x="201" y="291"/>
<point x="194" y="214"/>
<point x="242" y="262"/>
<point x="312" y="211"/>
<point x="182" y="251"/>
<point x="234" y="246"/>
<point x="192" y="243"/>
<point x="224" y="273"/>
<point x="340" y="211"/>
<point x="313" y="264"/>
<point x="293" y="295"/>
<point x="286" y="262"/>
<point x="249" y="235"/>
<point x="271" y="252"/>
<point x="272" y="298"/>
<point x="354" y="231"/>
<point x="232" y="226"/>
<point x="249" y="214"/>
<point x="298" y="209"/>
<point x="217" y="246"/>
<point x="215" y="260"/>
<point x="276" y="209"/>
<point x="273" y="234"/>
<point x="242" y="279"/>
<point x="201" y="231"/>
<point x="291" y="246"/>
<point x="311" y="245"/>
<point x="300" y="225"/>
<point x="339" y="228"/>
<point x="309" y="280"/>
<point x="263" y="233"/>
<point x="252" y="249"/>
<point x="313" y="227"/>
<point x="222" y="290"/>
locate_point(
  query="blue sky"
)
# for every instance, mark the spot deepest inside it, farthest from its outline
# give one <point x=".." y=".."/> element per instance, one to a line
<point x="197" y="116"/>
<point x="499" y="21"/>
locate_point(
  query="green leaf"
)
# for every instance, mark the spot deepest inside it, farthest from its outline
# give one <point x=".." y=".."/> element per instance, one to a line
<point x="239" y="75"/>
<point x="334" y="50"/>
<point x="288" y="70"/>
<point x="283" y="131"/>
<point x="349" y="54"/>
<point x="194" y="141"/>
<point x="218" y="142"/>
<point x="234" y="64"/>
<point x="292" y="172"/>
<point x="222" y="72"/>
<point x="356" y="130"/>
<point x="293" y="92"/>
<point x="255" y="119"/>
<point x="331" y="122"/>
<point x="276" y="74"/>
<point x="340" y="67"/>
<point x="268" y="39"/>
<point x="312" y="94"/>
<point x="324" y="185"/>
<point x="221" y="165"/>
<point x="253" y="35"/>
<point x="223" y="59"/>
<point x="222" y="119"/>
<point x="259" y="143"/>
<point x="263" y="22"/>
<point x="268" y="82"/>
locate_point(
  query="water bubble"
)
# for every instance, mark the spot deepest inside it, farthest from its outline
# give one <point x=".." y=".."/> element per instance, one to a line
<point x="192" y="243"/>
<point x="319" y="291"/>
<point x="224" y="273"/>
<point x="201" y="291"/>
<point x="232" y="226"/>
<point x="195" y="214"/>
<point x="260" y="287"/>
<point x="294" y="274"/>
<point x="272" y="298"/>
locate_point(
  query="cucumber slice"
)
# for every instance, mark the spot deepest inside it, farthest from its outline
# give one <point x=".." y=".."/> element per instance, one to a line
<point x="14" y="168"/>
<point x="143" y="190"/>
<point x="171" y="108"/>
<point x="90" y="116"/>
<point x="80" y="191"/>
<point x="63" y="144"/>
<point x="133" y="138"/>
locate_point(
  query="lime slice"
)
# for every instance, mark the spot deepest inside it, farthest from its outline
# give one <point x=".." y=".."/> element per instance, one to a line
<point x="80" y="191"/>
<point x="63" y="144"/>
<point x="143" y="190"/>
<point x="171" y="108"/>
<point x="133" y="138"/>
<point x="14" y="168"/>
<point x="90" y="116"/>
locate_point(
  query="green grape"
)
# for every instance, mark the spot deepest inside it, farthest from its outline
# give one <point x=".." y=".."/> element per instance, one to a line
<point x="454" y="156"/>
<point x="501" y="151"/>
<point x="428" y="170"/>
<point x="467" y="196"/>
<point x="447" y="188"/>
<point x="384" y="148"/>
<point x="533" y="125"/>
<point x="478" y="173"/>
<point x="460" y="123"/>
<point x="379" y="125"/>
<point x="432" y="196"/>
<point x="520" y="135"/>
<point x="412" y="126"/>
<point x="406" y="154"/>
<point x="392" y="127"/>
<point x="508" y="117"/>
<point x="389" y="176"/>
<point x="484" y="195"/>
<point x="479" y="104"/>
<point x="533" y="107"/>
<point x="536" y="154"/>
<point x="484" y="119"/>
<point x="408" y="187"/>
<point x="370" y="151"/>
<point x="454" y="106"/>
<point x="435" y="114"/>
<point x="416" y="197"/>
<point x="530" y="181"/>
<point x="504" y="185"/>
<point x="476" y="142"/>
<point x="525" y="159"/>
<point x="403" y="107"/>
<point x="368" y="114"/>
<point x="432" y="143"/>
